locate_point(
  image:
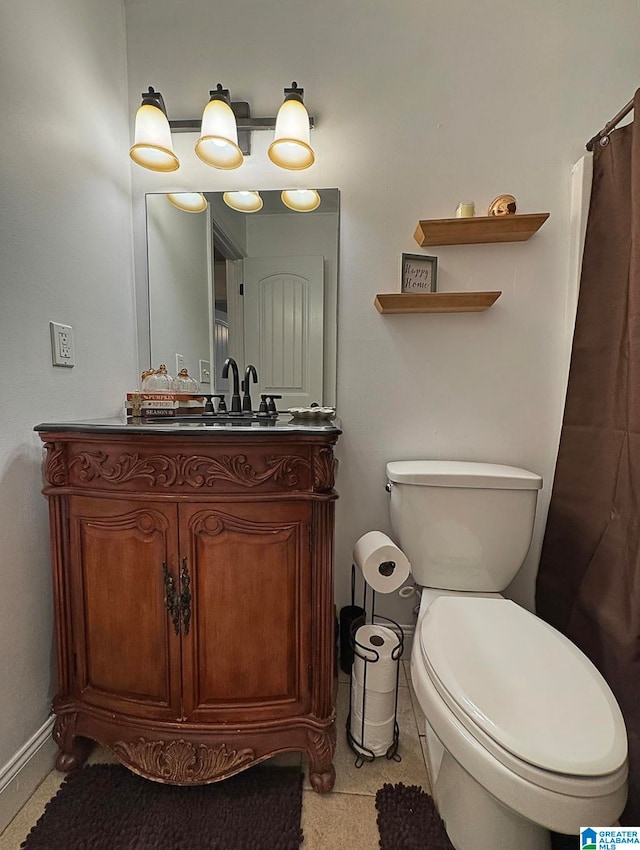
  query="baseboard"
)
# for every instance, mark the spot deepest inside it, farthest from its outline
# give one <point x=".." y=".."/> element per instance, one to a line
<point x="22" y="774"/>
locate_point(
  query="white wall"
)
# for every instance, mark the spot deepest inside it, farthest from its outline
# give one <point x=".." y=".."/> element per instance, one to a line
<point x="65" y="220"/>
<point x="418" y="106"/>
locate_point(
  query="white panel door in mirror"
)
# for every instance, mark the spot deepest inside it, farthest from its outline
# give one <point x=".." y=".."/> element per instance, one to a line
<point x="283" y="327"/>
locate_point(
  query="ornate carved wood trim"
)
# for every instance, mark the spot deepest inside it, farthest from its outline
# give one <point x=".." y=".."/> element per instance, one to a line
<point x="323" y="625"/>
<point x="55" y="470"/>
<point x="191" y="470"/>
<point x="213" y="522"/>
<point x="63" y="727"/>
<point x="324" y="466"/>
<point x="181" y="762"/>
<point x="322" y="745"/>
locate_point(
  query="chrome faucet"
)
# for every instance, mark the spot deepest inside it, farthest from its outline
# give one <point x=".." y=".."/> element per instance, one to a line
<point x="235" y="398"/>
<point x="246" y="398"/>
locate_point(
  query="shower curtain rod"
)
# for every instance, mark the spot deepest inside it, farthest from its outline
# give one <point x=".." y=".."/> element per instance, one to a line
<point x="604" y="133"/>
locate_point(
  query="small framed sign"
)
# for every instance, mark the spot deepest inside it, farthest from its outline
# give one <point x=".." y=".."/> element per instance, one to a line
<point x="419" y="273"/>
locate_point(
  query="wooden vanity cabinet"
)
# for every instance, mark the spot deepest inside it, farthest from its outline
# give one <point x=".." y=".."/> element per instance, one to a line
<point x="193" y="599"/>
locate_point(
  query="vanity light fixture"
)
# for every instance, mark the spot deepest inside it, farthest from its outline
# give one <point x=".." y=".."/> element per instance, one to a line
<point x="224" y="132"/>
<point x="191" y="202"/>
<point x="246" y="202"/>
<point x="153" y="147"/>
<point x="301" y="200"/>
<point x="290" y="148"/>
<point x="218" y="142"/>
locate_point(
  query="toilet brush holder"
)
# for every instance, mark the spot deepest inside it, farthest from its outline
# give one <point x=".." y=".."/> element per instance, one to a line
<point x="349" y="615"/>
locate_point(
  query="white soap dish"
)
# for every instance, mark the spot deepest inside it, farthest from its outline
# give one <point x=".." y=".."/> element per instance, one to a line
<point x="312" y="412"/>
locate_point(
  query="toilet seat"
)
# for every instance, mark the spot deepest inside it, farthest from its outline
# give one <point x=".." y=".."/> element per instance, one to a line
<point x="559" y="728"/>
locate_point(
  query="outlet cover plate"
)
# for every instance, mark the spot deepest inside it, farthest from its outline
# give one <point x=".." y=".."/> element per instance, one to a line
<point x="62" y="347"/>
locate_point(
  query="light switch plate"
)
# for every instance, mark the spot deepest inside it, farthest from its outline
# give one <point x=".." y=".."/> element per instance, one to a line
<point x="205" y="371"/>
<point x="62" y="348"/>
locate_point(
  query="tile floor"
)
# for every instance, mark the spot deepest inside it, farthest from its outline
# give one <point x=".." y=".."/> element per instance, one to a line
<point x="345" y="817"/>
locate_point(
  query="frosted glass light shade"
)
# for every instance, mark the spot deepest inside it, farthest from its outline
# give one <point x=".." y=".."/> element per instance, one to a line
<point x="192" y="202"/>
<point x="246" y="202"/>
<point x="301" y="200"/>
<point x="290" y="148"/>
<point x="153" y="147"/>
<point x="218" y="142"/>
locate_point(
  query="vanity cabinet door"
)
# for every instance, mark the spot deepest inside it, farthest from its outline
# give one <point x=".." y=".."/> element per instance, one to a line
<point x="246" y="653"/>
<point x="126" y="654"/>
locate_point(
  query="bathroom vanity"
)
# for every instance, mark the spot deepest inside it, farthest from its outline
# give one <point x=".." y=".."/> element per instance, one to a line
<point x="193" y="593"/>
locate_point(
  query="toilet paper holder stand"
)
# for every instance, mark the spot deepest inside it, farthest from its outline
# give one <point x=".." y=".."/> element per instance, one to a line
<point x="370" y="656"/>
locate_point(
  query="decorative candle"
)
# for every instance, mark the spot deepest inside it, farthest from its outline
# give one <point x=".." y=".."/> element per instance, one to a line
<point x="465" y="209"/>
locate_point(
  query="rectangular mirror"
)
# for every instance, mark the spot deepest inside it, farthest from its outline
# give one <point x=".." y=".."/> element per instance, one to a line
<point x="260" y="287"/>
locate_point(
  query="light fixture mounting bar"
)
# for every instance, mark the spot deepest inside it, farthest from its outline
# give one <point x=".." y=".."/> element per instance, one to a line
<point x="193" y="125"/>
<point x="244" y="122"/>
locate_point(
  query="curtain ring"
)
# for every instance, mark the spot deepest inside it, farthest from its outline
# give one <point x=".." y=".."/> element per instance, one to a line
<point x="604" y="141"/>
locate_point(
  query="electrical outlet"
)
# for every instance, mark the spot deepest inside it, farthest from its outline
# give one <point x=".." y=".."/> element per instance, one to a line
<point x="62" y="349"/>
<point x="205" y="371"/>
<point x="179" y="363"/>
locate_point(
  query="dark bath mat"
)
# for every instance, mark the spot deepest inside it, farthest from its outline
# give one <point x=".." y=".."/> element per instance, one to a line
<point x="564" y="842"/>
<point x="408" y="820"/>
<point x="106" y="807"/>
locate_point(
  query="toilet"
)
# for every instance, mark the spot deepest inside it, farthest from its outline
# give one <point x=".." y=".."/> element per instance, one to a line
<point x="523" y="734"/>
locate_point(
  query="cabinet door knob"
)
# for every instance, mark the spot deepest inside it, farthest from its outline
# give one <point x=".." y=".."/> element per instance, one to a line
<point x="185" y="596"/>
<point x="171" y="597"/>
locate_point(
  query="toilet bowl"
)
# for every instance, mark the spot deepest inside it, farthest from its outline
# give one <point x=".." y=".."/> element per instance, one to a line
<point x="523" y="734"/>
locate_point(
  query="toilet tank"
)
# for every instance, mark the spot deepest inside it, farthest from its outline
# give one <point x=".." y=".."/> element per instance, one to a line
<point x="463" y="526"/>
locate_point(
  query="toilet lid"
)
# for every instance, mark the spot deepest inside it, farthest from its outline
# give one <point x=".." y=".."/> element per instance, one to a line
<point x="524" y="684"/>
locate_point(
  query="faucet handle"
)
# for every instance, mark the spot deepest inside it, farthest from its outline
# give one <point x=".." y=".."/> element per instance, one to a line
<point x="269" y="399"/>
<point x="222" y="404"/>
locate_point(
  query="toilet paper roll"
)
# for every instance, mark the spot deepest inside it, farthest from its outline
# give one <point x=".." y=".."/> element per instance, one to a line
<point x="376" y="706"/>
<point x="383" y="565"/>
<point x="376" y="737"/>
<point x="374" y="649"/>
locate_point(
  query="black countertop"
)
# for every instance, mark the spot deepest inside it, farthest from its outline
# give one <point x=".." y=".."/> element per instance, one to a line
<point x="198" y="426"/>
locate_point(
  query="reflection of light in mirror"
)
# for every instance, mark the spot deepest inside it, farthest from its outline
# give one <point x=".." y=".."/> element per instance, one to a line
<point x="246" y="202"/>
<point x="218" y="142"/>
<point x="191" y="202"/>
<point x="301" y="200"/>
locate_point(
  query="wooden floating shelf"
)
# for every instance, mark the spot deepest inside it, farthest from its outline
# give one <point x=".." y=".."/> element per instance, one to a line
<point x="435" y="302"/>
<point x="479" y="229"/>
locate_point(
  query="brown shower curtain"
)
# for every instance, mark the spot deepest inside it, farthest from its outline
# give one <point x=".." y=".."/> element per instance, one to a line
<point x="588" y="582"/>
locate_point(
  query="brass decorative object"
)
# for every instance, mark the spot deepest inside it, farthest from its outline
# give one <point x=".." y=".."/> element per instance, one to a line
<point x="502" y="205"/>
<point x="185" y="596"/>
<point x="171" y="598"/>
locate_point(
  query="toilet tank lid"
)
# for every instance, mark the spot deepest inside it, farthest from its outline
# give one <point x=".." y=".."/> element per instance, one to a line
<point x="455" y="473"/>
